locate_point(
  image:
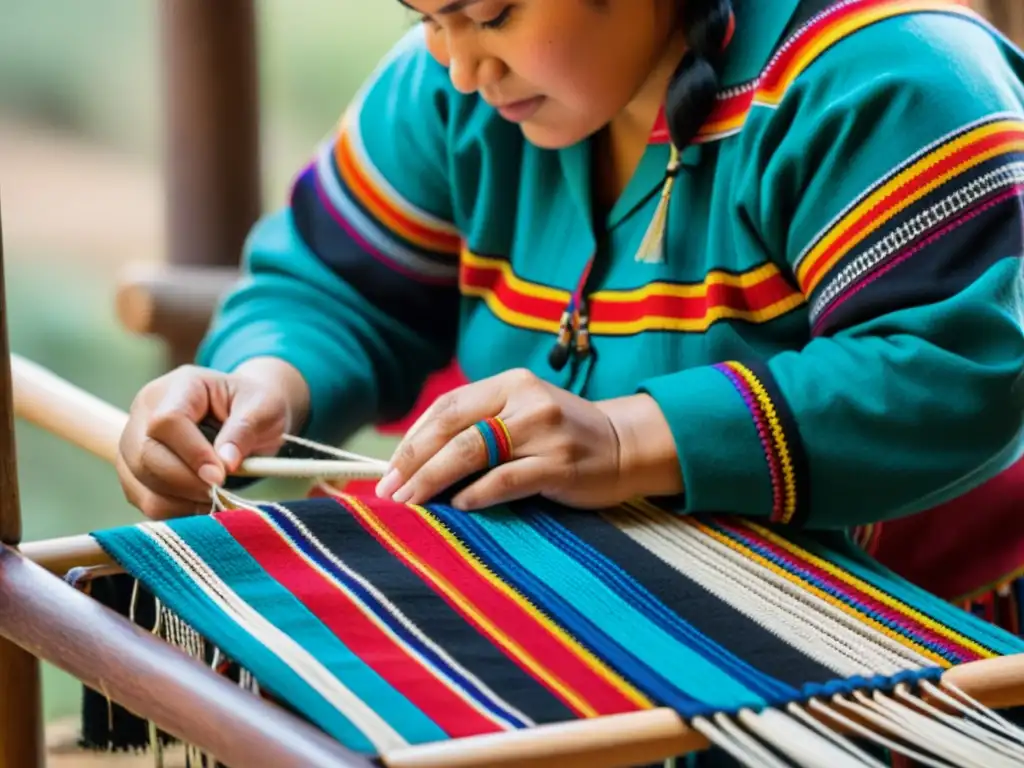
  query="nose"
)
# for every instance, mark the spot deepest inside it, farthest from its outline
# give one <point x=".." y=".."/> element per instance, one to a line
<point x="469" y="68"/>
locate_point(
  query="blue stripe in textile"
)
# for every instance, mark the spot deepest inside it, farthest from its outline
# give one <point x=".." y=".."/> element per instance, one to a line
<point x="386" y="616"/>
<point x="223" y="555"/>
<point x="556" y="579"/>
<point x="648" y="680"/>
<point x="948" y="615"/>
<point x="633" y="593"/>
<point x="160" y="574"/>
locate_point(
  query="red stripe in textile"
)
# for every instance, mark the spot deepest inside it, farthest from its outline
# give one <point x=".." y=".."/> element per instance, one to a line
<point x="509" y="619"/>
<point x="333" y="606"/>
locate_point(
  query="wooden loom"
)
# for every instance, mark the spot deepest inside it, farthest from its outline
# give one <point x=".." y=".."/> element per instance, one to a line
<point x="42" y="617"/>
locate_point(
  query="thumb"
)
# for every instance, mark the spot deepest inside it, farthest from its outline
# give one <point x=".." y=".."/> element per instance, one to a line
<point x="255" y="422"/>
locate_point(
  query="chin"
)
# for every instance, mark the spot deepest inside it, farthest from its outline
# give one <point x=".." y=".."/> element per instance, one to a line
<point x="551" y="136"/>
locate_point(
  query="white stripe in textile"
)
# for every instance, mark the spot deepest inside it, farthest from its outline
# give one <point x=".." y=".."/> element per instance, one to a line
<point x="351" y="126"/>
<point x="377" y="731"/>
<point x="378" y="236"/>
<point x="814" y="626"/>
<point x="759" y="602"/>
<point x="481" y="689"/>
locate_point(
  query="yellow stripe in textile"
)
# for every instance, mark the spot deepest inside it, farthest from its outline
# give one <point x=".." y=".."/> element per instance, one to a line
<point x="595" y="664"/>
<point x="517" y="651"/>
<point x="811" y="589"/>
<point x="871" y="590"/>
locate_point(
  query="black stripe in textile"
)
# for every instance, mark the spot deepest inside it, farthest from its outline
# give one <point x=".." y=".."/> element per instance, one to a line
<point x="341" y="533"/>
<point x="708" y="614"/>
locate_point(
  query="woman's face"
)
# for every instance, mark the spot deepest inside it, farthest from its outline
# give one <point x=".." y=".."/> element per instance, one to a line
<point x="562" y="69"/>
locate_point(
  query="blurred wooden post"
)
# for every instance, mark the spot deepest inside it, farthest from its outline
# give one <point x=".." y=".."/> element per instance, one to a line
<point x="212" y="149"/>
<point x="1007" y="15"/>
<point x="21" y="713"/>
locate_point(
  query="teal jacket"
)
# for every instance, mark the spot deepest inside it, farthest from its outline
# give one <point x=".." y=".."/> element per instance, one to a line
<point x="834" y="331"/>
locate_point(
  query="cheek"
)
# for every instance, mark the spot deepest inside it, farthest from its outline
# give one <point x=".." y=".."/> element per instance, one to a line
<point x="436" y="45"/>
<point x="575" y="76"/>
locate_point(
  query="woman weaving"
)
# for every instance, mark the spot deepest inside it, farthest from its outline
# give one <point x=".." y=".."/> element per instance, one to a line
<point x="752" y="257"/>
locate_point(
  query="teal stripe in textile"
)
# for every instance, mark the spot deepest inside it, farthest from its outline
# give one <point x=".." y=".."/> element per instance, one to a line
<point x="243" y="576"/>
<point x="688" y="667"/>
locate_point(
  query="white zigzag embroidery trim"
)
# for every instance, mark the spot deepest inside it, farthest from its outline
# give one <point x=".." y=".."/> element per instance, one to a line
<point x="912" y="230"/>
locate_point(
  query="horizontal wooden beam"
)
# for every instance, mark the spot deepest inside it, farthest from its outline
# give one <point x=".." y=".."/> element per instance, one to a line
<point x="174" y="303"/>
<point x="56" y="623"/>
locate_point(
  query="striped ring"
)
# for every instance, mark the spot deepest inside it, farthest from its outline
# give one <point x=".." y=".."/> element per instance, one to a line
<point x="497" y="440"/>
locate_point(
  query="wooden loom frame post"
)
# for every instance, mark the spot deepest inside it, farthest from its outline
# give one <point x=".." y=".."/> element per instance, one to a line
<point x="213" y="167"/>
<point x="21" y="711"/>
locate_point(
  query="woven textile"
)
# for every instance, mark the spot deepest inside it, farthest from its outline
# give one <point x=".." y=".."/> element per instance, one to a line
<point x="387" y="624"/>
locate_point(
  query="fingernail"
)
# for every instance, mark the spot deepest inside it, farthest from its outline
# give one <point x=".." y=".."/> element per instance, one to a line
<point x="211" y="474"/>
<point x="403" y="494"/>
<point x="388" y="484"/>
<point x="230" y="455"/>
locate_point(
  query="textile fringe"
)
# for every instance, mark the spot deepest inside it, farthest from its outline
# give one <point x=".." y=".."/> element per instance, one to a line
<point x="109" y="727"/>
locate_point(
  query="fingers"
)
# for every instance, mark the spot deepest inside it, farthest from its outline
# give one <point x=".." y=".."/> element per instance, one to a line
<point x="463" y="455"/>
<point x="163" y="449"/>
<point x="166" y="464"/>
<point x="152" y="504"/>
<point x="173" y="451"/>
<point x="450" y="415"/>
<point x="255" y="424"/>
<point x="518" y="479"/>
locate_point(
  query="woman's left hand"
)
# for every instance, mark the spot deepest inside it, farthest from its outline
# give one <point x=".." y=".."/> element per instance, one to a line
<point x="564" y="447"/>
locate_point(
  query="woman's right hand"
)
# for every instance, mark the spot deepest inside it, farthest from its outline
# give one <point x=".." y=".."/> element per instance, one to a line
<point x="167" y="466"/>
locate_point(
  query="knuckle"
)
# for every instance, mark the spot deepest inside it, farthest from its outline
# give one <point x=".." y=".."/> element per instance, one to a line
<point x="447" y="418"/>
<point x="468" y="446"/>
<point x="507" y="482"/>
<point x="148" y="458"/>
<point x="151" y="506"/>
<point x="407" y="453"/>
<point x="445" y="403"/>
<point x="548" y="412"/>
<point x="522" y="377"/>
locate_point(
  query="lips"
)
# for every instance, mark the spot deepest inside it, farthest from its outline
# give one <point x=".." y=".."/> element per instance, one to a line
<point x="518" y="111"/>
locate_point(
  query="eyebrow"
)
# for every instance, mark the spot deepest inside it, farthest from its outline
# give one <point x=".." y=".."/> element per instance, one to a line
<point x="453" y="7"/>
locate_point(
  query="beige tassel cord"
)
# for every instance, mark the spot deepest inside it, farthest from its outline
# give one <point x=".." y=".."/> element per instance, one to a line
<point x="652" y="248"/>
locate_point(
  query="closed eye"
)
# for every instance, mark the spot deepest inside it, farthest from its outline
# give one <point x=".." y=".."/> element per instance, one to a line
<point x="498" y="21"/>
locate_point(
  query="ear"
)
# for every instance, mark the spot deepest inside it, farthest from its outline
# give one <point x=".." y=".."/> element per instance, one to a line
<point x="437" y="43"/>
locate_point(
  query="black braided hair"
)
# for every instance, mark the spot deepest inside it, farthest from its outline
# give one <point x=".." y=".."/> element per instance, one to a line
<point x="694" y="84"/>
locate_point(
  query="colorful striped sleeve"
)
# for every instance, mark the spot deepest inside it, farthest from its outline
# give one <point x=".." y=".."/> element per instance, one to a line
<point x="355" y="280"/>
<point x="889" y="185"/>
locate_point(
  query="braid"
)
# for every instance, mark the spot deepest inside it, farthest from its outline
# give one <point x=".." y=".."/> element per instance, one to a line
<point x="694" y="86"/>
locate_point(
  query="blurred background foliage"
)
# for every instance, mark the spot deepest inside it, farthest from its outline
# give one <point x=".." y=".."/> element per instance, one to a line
<point x="80" y="142"/>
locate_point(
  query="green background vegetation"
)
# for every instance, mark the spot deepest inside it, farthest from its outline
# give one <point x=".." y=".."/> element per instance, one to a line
<point x="91" y="70"/>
